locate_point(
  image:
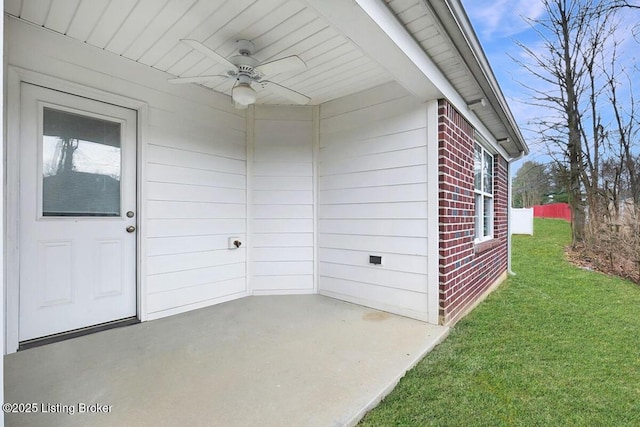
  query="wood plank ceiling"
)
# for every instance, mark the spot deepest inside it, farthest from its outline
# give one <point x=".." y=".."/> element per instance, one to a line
<point x="428" y="32"/>
<point x="149" y="32"/>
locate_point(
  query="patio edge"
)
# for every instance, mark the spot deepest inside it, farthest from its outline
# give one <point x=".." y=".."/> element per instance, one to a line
<point x="389" y="388"/>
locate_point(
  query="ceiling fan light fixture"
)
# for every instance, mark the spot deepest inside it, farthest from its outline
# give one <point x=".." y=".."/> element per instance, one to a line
<point x="245" y="70"/>
<point x="243" y="94"/>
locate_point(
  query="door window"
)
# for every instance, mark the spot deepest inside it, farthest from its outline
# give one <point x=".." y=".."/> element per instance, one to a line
<point x="81" y="165"/>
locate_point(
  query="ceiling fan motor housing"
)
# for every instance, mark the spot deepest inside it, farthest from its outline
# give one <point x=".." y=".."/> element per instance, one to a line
<point x="245" y="47"/>
<point x="245" y="64"/>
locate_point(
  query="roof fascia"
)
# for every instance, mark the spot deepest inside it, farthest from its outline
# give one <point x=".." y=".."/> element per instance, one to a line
<point x="466" y="40"/>
<point x="396" y="31"/>
<point x="371" y="26"/>
<point x="350" y="20"/>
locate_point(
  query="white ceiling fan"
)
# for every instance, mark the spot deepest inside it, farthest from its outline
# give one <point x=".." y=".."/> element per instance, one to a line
<point x="248" y="73"/>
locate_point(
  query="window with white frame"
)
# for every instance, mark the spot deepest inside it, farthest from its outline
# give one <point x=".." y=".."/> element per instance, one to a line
<point x="483" y="189"/>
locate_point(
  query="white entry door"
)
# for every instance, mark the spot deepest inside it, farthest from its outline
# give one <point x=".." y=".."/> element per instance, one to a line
<point x="77" y="212"/>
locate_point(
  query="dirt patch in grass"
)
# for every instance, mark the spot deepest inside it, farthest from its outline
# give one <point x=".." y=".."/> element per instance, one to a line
<point x="606" y="262"/>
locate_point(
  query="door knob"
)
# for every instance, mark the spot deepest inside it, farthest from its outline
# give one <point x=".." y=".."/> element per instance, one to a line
<point x="131" y="229"/>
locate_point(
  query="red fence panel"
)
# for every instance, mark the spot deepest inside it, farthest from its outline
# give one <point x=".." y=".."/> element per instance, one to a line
<point x="554" y="210"/>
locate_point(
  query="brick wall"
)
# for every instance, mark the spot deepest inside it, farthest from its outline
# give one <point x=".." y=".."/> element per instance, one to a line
<point x="467" y="270"/>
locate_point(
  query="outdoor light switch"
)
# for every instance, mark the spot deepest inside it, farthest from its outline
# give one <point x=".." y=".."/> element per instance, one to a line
<point x="234" y="242"/>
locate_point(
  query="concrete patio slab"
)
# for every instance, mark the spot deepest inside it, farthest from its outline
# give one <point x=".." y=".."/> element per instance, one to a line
<point x="301" y="360"/>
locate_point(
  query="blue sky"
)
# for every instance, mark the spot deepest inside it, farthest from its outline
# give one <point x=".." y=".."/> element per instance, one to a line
<point x="498" y="23"/>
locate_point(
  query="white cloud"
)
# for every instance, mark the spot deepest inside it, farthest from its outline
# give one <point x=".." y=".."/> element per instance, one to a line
<point x="499" y="22"/>
<point x="502" y="18"/>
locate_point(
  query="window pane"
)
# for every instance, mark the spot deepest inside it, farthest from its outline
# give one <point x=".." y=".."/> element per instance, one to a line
<point x="80" y="165"/>
<point x="487" y="216"/>
<point x="479" y="216"/>
<point x="488" y="173"/>
<point x="477" y="167"/>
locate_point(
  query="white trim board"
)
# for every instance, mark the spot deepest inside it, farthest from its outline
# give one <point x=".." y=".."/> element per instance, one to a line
<point x="251" y="147"/>
<point x="433" y="218"/>
<point x="372" y="26"/>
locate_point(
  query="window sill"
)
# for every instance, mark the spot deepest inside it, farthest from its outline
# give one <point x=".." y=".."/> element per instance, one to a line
<point x="486" y="245"/>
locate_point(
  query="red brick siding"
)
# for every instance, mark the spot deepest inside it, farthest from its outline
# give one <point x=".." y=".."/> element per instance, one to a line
<point x="467" y="270"/>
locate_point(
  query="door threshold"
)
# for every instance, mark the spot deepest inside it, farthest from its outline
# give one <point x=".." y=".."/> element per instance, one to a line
<point x="49" y="339"/>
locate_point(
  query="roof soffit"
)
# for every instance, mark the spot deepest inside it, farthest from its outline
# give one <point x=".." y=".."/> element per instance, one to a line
<point x="351" y="20"/>
<point x="454" y="22"/>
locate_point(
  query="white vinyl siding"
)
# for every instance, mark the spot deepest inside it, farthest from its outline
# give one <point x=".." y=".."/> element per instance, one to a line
<point x="282" y="201"/>
<point x="373" y="200"/>
<point x="194" y="164"/>
<point x="371" y="180"/>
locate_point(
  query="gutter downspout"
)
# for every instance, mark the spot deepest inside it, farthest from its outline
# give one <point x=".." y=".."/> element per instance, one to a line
<point x="509" y="203"/>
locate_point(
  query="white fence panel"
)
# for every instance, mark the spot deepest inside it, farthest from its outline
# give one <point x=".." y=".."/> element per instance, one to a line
<point x="522" y="221"/>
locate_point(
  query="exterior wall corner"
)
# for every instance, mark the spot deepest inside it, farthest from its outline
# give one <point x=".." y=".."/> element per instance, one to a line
<point x="467" y="270"/>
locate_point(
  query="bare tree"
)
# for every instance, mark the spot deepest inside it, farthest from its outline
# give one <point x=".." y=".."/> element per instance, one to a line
<point x="624" y="132"/>
<point x="577" y="37"/>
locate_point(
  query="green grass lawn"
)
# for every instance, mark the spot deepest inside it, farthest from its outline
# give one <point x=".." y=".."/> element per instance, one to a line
<point x="555" y="345"/>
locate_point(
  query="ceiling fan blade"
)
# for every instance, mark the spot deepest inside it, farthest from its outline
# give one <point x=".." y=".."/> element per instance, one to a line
<point x="283" y="65"/>
<point x="285" y="92"/>
<point x="195" y="44"/>
<point x="196" y="79"/>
